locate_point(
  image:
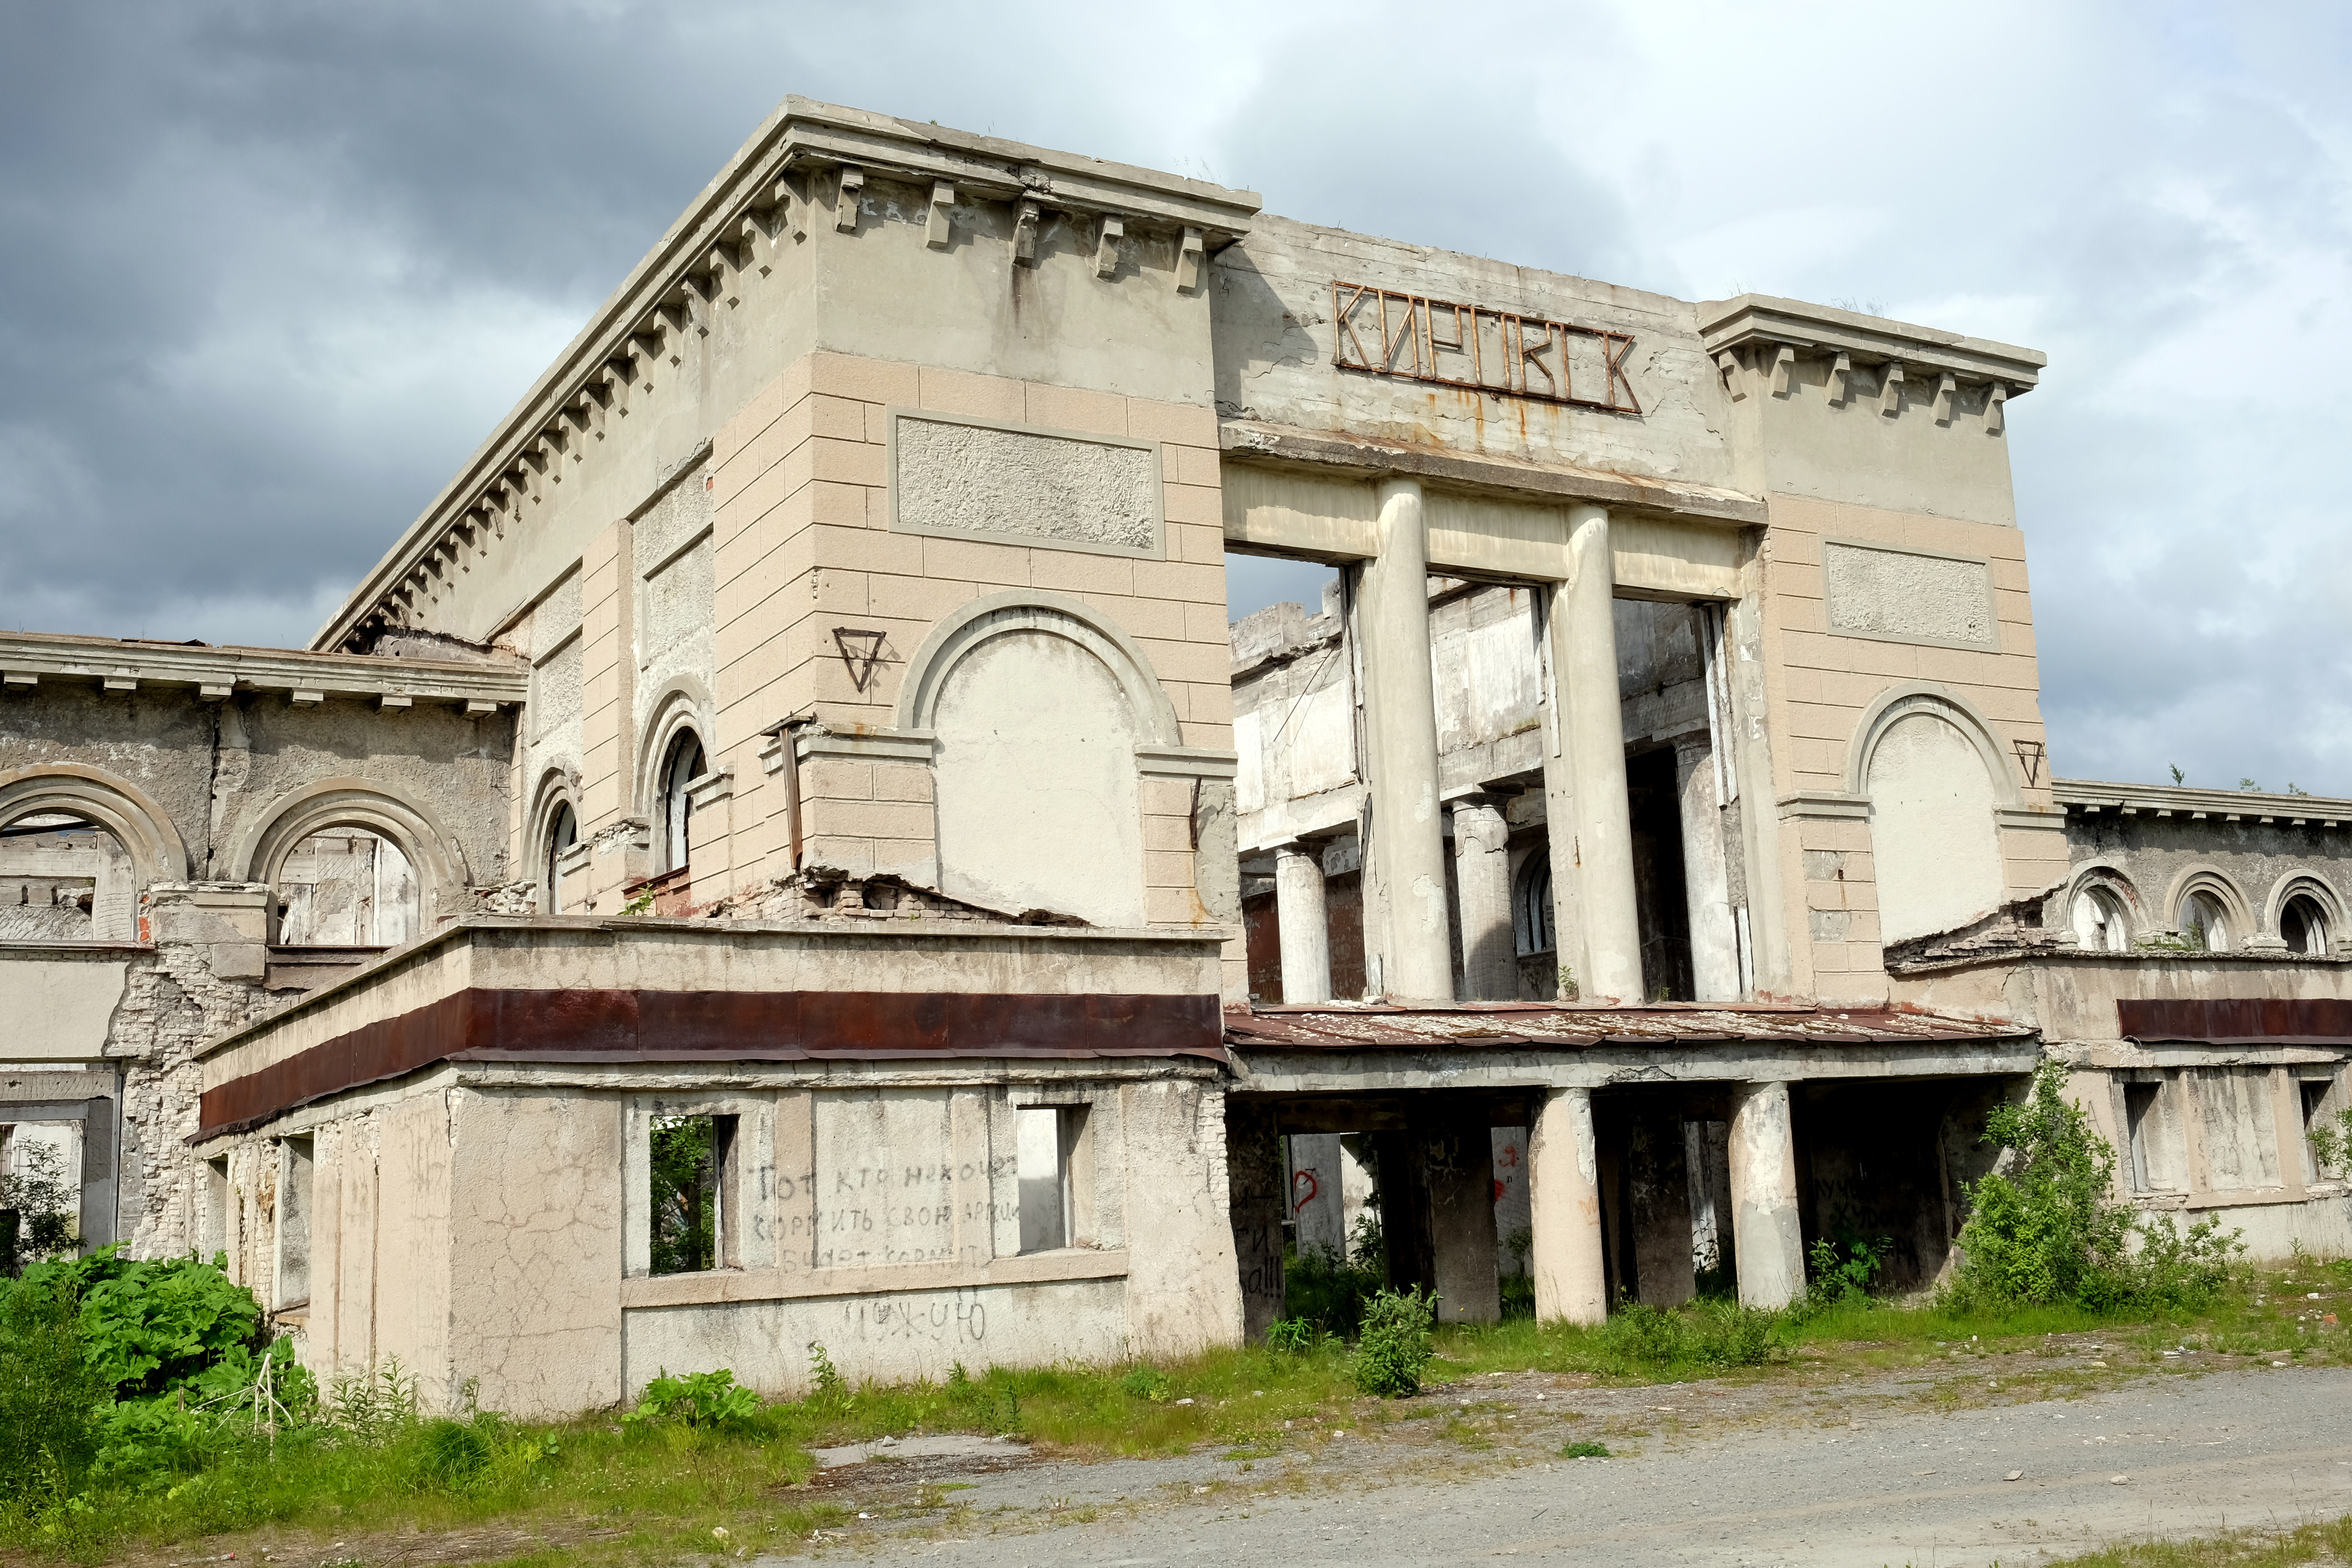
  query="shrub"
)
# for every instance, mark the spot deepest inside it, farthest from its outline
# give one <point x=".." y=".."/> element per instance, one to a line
<point x="2050" y="1229"/>
<point x="450" y="1454"/>
<point x="1844" y="1281"/>
<point x="698" y="1399"/>
<point x="1323" y="1288"/>
<point x="1585" y="1451"/>
<point x="48" y="1391"/>
<point x="1708" y="1334"/>
<point x="1394" y="1348"/>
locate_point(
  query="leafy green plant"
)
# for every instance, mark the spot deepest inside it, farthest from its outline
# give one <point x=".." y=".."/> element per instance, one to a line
<point x="1322" y="1287"/>
<point x="828" y="1389"/>
<point x="1585" y="1451"/>
<point x="1845" y="1281"/>
<point x="1393" y="1348"/>
<point x="1706" y="1335"/>
<point x="685" y="1194"/>
<point x="2050" y="1229"/>
<point x="1293" y="1336"/>
<point x="1149" y="1384"/>
<point x="48" y="1205"/>
<point x="698" y="1399"/>
<point x="50" y="1393"/>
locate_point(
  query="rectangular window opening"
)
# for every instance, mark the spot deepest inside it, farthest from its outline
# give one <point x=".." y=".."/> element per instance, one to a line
<point x="295" y="1176"/>
<point x="1046" y="1146"/>
<point x="2314" y="1098"/>
<point x="216" y="1198"/>
<point x="2140" y="1115"/>
<point x="694" y="1205"/>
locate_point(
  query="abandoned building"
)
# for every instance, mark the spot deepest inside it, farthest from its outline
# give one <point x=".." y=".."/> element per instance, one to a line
<point x="804" y="747"/>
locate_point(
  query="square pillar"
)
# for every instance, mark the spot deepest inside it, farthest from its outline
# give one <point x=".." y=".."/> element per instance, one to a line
<point x="1254" y="1182"/>
<point x="1317" y="1205"/>
<point x="1482" y="877"/>
<point x="1564" y="1204"/>
<point x="1458" y="1176"/>
<point x="1303" y="922"/>
<point x="1768" y="1238"/>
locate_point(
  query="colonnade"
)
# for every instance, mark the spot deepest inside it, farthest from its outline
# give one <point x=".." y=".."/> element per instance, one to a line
<point x="1404" y="850"/>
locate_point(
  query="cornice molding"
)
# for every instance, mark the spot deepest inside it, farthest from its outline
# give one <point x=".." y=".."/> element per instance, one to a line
<point x="27" y="658"/>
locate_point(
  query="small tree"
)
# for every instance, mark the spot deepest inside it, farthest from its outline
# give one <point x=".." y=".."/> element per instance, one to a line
<point x="2050" y="1228"/>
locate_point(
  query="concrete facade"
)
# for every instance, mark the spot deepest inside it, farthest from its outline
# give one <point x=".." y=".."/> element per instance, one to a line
<point x="789" y="848"/>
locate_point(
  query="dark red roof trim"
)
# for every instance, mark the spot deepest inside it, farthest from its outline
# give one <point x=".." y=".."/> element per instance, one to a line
<point x="716" y="1025"/>
<point x="2312" y="1021"/>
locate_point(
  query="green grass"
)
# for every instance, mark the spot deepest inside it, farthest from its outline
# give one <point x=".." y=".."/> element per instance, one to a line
<point x="597" y="1490"/>
<point x="2330" y="1542"/>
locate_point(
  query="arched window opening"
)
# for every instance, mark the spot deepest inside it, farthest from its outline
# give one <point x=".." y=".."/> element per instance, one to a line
<point x="563" y="833"/>
<point x="2204" y="922"/>
<point x="1531" y="911"/>
<point x="64" y="879"/>
<point x="2101" y="924"/>
<point x="680" y="767"/>
<point x="2304" y="926"/>
<point x="346" y="886"/>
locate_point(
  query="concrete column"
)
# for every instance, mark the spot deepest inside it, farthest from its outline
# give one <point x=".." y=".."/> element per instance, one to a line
<point x="1482" y="874"/>
<point x="1458" y="1174"/>
<point x="1316" y="1204"/>
<point x="1407" y="845"/>
<point x="1715" y="945"/>
<point x="1305" y="927"/>
<point x="1600" y="830"/>
<point x="1768" y="1241"/>
<point x="1255" y="1180"/>
<point x="1564" y="1206"/>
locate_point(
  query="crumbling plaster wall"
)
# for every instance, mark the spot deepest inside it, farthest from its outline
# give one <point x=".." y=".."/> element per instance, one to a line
<point x="2154" y="855"/>
<point x="478" y="1224"/>
<point x="1275" y="338"/>
<point x="220" y="771"/>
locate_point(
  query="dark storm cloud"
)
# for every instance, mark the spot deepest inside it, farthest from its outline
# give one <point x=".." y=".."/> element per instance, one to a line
<point x="271" y="271"/>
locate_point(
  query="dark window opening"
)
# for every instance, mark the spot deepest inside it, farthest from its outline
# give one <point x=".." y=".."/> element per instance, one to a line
<point x="682" y="767"/>
<point x="2303" y="925"/>
<point x="563" y="833"/>
<point x="692" y="1205"/>
<point x="2314" y="1097"/>
<point x="1660" y="899"/>
<point x="2139" y="1119"/>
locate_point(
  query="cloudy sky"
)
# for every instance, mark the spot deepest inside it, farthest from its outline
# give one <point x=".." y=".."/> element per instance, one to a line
<point x="268" y="272"/>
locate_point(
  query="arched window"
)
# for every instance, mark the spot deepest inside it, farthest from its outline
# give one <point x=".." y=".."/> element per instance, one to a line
<point x="2303" y="925"/>
<point x="563" y="833"/>
<point x="346" y="886"/>
<point x="2101" y="922"/>
<point x="64" y="879"/>
<point x="2204" y="921"/>
<point x="680" y="767"/>
<point x="1531" y="911"/>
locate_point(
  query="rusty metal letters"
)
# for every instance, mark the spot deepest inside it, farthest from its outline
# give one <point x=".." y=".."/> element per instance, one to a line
<point x="1383" y="333"/>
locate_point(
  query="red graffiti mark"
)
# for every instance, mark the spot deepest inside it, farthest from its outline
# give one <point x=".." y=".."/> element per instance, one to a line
<point x="1314" y="1189"/>
<point x="1508" y="1157"/>
<point x="1498" y="1191"/>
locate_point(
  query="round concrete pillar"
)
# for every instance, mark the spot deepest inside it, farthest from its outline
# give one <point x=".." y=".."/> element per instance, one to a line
<point x="1303" y="922"/>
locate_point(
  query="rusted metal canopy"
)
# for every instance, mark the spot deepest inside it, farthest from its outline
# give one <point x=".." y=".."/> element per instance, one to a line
<point x="715" y="1026"/>
<point x="1542" y="1024"/>
<point x="2224" y="1021"/>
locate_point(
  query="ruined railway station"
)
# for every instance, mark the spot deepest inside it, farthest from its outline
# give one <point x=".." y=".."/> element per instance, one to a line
<point x="810" y="727"/>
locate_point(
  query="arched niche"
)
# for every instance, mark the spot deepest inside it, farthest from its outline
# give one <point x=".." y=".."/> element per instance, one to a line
<point x="260" y="852"/>
<point x="2205" y="906"/>
<point x="554" y="805"/>
<point x="1934" y="776"/>
<point x="2104" y="909"/>
<point x="679" y="727"/>
<point x="142" y="827"/>
<point x="2306" y="912"/>
<point x="1036" y="709"/>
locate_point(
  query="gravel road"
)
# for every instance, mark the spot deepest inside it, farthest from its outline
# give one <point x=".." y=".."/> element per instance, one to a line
<point x="2163" y="1455"/>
